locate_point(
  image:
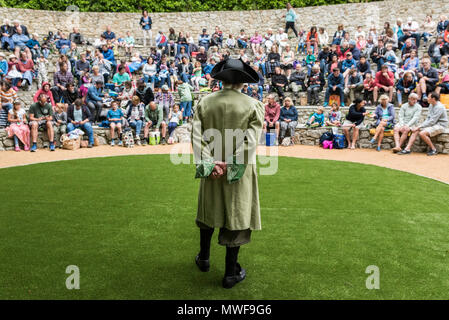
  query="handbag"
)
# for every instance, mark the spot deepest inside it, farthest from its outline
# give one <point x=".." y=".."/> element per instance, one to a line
<point x="70" y="144"/>
<point x="96" y="140"/>
<point x="155" y="137"/>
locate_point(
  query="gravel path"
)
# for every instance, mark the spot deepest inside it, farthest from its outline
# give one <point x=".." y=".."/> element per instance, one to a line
<point x="436" y="167"/>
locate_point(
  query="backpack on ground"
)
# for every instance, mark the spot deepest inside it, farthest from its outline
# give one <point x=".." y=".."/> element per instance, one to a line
<point x="327" y="136"/>
<point x="340" y="141"/>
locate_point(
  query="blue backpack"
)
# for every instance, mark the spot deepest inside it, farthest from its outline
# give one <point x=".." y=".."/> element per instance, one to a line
<point x="340" y="141"/>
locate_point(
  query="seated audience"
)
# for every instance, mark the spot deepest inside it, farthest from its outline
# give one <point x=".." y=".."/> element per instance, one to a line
<point x="288" y="119"/>
<point x="354" y="120"/>
<point x="334" y="119"/>
<point x="272" y="114"/>
<point x="409" y="117"/>
<point x="383" y="83"/>
<point x="41" y="117"/>
<point x="316" y="119"/>
<point x="115" y="119"/>
<point x="154" y="117"/>
<point x="385" y="120"/>
<point x="18" y="127"/>
<point x="135" y="115"/>
<point x="336" y="85"/>
<point x="435" y="124"/>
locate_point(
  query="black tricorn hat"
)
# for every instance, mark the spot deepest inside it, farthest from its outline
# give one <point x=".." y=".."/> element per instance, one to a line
<point x="234" y="71"/>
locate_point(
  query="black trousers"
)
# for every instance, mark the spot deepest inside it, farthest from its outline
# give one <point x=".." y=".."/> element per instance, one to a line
<point x="291" y="25"/>
<point x="279" y="90"/>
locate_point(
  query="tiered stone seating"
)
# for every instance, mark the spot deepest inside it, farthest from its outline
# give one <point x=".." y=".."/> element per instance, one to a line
<point x="303" y="135"/>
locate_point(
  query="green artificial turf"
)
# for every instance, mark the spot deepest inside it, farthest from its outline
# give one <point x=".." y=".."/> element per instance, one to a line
<point x="128" y="224"/>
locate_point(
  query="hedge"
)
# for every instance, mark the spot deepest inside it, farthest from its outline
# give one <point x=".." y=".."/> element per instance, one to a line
<point x="165" y="6"/>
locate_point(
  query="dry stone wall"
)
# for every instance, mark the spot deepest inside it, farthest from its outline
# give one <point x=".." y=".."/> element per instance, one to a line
<point x="351" y="15"/>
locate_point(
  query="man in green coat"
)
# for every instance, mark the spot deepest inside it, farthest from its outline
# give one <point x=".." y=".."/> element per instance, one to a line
<point x="226" y="127"/>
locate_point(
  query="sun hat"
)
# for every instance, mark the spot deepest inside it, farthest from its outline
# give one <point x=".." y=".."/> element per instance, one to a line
<point x="234" y="71"/>
<point x="384" y="97"/>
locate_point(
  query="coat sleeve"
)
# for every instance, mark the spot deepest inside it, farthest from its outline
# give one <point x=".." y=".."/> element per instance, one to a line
<point x="203" y="159"/>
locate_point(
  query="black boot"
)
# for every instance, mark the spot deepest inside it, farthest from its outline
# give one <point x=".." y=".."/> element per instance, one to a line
<point x="234" y="273"/>
<point x="202" y="259"/>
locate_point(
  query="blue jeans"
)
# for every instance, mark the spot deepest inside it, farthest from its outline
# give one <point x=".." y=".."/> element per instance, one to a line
<point x="263" y="67"/>
<point x="7" y="106"/>
<point x="337" y="41"/>
<point x="136" y="125"/>
<point x="425" y="36"/>
<point x="205" y="45"/>
<point x="185" y="77"/>
<point x="187" y="107"/>
<point x="151" y="79"/>
<point x="323" y="65"/>
<point x="87" y="127"/>
<point x="186" y="46"/>
<point x="9" y="42"/>
<point x="242" y="44"/>
<point x="171" y="127"/>
<point x="162" y="81"/>
<point x="338" y="91"/>
<point x="380" y="62"/>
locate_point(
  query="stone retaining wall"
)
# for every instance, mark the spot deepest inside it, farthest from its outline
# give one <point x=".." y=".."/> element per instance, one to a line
<point x="311" y="137"/>
<point x="351" y="15"/>
<point x="181" y="134"/>
<point x="304" y="136"/>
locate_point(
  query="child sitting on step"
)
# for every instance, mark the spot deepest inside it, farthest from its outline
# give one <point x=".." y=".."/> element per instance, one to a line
<point x="175" y="116"/>
<point x="334" y="116"/>
<point x="317" y="118"/>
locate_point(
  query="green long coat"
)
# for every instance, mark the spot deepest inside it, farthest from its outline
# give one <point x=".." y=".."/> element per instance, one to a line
<point x="230" y="201"/>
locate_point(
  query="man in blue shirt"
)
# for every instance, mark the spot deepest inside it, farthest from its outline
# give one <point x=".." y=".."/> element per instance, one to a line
<point x="94" y="100"/>
<point x="63" y="44"/>
<point x="204" y="39"/>
<point x="108" y="34"/>
<point x="336" y="85"/>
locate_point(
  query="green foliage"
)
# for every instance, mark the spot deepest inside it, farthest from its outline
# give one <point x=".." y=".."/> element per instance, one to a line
<point x="165" y="6"/>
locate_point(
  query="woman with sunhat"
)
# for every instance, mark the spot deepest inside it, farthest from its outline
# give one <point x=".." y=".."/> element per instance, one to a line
<point x="228" y="196"/>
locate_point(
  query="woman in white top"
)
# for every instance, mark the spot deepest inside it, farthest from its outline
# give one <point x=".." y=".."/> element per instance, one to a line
<point x="230" y="42"/>
<point x="281" y="39"/>
<point x="149" y="71"/>
<point x="429" y="27"/>
<point x="287" y="59"/>
<point x="323" y="37"/>
<point x="268" y="40"/>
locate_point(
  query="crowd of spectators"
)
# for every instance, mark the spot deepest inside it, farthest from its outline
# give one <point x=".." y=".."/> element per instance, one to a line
<point x="92" y="86"/>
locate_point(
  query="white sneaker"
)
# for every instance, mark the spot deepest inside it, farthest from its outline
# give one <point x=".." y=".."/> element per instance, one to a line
<point x="112" y="143"/>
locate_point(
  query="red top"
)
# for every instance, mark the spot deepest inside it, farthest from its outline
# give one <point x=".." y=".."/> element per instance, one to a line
<point x="446" y="36"/>
<point x="272" y="113"/>
<point x="27" y="66"/>
<point x="381" y="80"/>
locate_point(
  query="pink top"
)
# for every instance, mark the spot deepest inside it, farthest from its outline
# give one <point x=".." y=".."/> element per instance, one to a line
<point x="256" y="40"/>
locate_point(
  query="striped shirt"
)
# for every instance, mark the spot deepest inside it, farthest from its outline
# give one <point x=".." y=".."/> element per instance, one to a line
<point x="8" y="96"/>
